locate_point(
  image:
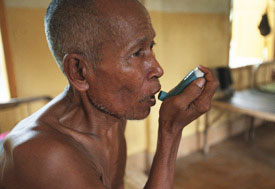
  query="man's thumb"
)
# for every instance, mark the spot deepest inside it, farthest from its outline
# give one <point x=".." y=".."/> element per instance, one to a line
<point x="193" y="90"/>
<point x="200" y="82"/>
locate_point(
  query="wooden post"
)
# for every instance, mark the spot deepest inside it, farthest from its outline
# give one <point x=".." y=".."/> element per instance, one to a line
<point x="206" y="143"/>
<point x="7" y="50"/>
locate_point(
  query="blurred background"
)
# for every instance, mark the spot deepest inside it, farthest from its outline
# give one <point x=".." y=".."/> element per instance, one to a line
<point x="234" y="34"/>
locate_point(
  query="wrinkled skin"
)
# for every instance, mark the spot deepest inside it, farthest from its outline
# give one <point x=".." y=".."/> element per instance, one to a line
<point x="77" y="140"/>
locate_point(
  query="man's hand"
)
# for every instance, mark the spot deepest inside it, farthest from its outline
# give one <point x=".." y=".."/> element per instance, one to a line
<point x="178" y="111"/>
<point x="175" y="113"/>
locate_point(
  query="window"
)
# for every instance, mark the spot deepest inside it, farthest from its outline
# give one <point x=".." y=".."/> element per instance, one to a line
<point x="4" y="88"/>
<point x="248" y="46"/>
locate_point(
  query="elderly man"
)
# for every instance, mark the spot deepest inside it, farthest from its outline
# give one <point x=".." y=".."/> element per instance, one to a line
<point x="77" y="140"/>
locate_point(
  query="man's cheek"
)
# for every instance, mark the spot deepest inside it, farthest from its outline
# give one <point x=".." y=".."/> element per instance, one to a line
<point x="129" y="93"/>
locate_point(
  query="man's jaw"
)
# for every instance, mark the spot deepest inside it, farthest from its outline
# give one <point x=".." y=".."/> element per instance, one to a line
<point x="103" y="109"/>
<point x="150" y="99"/>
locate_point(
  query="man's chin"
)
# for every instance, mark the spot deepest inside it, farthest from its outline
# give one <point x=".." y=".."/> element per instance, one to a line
<point x="140" y="116"/>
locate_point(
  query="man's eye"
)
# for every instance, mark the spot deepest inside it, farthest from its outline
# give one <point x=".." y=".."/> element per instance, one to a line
<point x="136" y="54"/>
<point x="152" y="44"/>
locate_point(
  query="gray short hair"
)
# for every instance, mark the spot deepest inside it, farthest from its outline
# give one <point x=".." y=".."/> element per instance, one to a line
<point x="75" y="26"/>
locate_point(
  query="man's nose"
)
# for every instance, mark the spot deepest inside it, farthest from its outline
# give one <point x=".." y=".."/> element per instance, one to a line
<point x="156" y="70"/>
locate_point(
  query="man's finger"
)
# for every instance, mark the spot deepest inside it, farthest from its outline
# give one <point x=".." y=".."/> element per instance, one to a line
<point x="203" y="102"/>
<point x="193" y="91"/>
<point x="208" y="75"/>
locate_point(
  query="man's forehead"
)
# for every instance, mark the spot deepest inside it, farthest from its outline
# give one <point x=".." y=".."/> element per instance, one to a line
<point x="122" y="10"/>
<point x="128" y="20"/>
<point x="111" y="7"/>
<point x="134" y="22"/>
<point x="134" y="31"/>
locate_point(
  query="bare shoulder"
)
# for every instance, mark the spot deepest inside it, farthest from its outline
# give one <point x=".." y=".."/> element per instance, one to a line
<point x="45" y="159"/>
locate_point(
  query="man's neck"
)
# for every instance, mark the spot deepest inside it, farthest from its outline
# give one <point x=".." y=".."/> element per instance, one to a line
<point x="82" y="116"/>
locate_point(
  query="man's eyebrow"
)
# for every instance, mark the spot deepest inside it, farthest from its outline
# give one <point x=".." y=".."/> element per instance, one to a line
<point x="138" y="41"/>
<point x="141" y="40"/>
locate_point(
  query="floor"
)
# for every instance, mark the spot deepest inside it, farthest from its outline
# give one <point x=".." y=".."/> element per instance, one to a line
<point x="234" y="163"/>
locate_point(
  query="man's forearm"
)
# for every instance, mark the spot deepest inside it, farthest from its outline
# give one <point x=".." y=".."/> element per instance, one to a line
<point x="163" y="167"/>
<point x="175" y="113"/>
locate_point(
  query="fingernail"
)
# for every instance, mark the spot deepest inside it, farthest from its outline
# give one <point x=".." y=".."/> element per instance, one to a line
<point x="200" y="82"/>
<point x="201" y="66"/>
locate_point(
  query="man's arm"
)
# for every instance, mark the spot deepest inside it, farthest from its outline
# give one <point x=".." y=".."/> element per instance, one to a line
<point x="53" y="165"/>
<point x="175" y="113"/>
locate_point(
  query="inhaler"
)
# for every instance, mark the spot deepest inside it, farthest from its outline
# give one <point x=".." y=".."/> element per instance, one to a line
<point x="191" y="76"/>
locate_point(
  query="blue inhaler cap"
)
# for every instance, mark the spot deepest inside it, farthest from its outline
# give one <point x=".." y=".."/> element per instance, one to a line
<point x="162" y="95"/>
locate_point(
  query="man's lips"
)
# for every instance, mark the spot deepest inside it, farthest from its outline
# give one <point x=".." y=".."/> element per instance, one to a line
<point x="158" y="89"/>
<point x="151" y="98"/>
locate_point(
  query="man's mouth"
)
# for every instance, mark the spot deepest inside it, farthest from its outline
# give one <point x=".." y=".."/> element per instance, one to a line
<point x="156" y="91"/>
<point x="151" y="99"/>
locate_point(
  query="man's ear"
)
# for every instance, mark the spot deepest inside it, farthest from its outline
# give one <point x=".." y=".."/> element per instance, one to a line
<point x="76" y="68"/>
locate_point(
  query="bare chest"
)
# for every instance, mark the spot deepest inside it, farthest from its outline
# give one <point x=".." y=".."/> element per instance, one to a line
<point x="109" y="161"/>
<point x="114" y="166"/>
